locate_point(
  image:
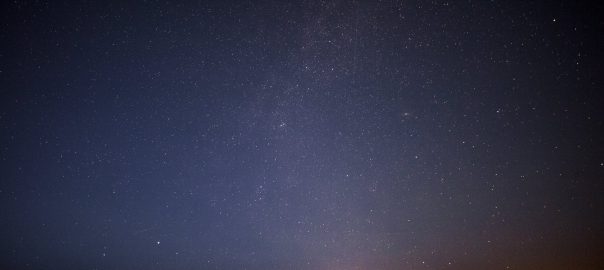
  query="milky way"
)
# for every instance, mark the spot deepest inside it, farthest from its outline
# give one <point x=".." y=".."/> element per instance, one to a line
<point x="302" y="135"/>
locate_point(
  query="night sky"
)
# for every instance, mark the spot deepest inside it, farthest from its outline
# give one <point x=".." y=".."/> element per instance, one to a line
<point x="305" y="135"/>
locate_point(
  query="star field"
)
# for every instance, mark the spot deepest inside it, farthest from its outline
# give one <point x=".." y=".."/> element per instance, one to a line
<point x="301" y="135"/>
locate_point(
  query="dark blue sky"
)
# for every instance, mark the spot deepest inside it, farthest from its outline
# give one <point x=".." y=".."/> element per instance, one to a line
<point x="303" y="135"/>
